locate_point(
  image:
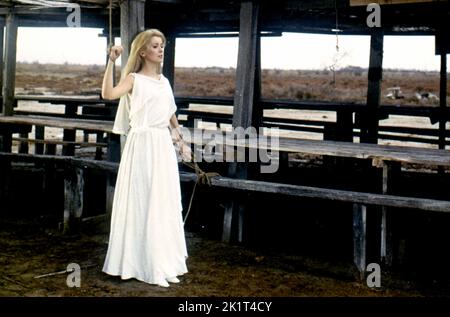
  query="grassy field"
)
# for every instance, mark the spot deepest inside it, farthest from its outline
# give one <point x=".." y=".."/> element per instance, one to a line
<point x="349" y="84"/>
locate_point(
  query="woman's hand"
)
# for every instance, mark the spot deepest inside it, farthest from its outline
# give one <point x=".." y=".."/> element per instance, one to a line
<point x="114" y="52"/>
<point x="185" y="152"/>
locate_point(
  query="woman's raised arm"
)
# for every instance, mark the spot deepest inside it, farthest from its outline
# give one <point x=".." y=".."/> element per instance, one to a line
<point x="125" y="85"/>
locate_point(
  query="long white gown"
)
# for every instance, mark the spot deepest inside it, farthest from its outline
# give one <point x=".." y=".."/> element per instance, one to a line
<point x="147" y="240"/>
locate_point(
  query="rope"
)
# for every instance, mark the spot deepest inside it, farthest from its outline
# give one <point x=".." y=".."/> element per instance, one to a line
<point x="337" y="26"/>
<point x="203" y="178"/>
<point x="110" y="25"/>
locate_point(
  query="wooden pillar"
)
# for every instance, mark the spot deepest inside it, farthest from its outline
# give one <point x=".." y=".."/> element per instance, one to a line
<point x="359" y="238"/>
<point x="2" y="35"/>
<point x="390" y="173"/>
<point x="132" y="21"/>
<point x="73" y="198"/>
<point x="23" y="146"/>
<point x="369" y="128"/>
<point x="9" y="71"/>
<point x="39" y="134"/>
<point x="443" y="98"/>
<point x="169" y="58"/>
<point x="69" y="134"/>
<point x="247" y="90"/>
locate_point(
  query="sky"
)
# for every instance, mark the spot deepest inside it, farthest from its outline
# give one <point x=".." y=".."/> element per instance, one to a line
<point x="290" y="51"/>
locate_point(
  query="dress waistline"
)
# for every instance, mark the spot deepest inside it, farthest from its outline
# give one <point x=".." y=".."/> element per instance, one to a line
<point x="147" y="128"/>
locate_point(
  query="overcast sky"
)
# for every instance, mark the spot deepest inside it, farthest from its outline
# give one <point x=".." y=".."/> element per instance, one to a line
<point x="291" y="51"/>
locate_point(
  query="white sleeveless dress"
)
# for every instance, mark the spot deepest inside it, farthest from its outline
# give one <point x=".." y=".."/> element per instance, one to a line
<point x="147" y="240"/>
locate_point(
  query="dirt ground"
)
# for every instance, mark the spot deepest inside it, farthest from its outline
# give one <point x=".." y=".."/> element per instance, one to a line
<point x="30" y="247"/>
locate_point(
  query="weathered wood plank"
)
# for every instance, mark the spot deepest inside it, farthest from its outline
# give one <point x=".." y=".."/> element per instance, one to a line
<point x="2" y="34"/>
<point x="369" y="130"/>
<point x="169" y="58"/>
<point x="73" y="199"/>
<point x="359" y="237"/>
<point x="258" y="186"/>
<point x="65" y="123"/>
<point x="56" y="142"/>
<point x="443" y="99"/>
<point x="9" y="70"/>
<point x="39" y="135"/>
<point x="132" y="16"/>
<point x="334" y="194"/>
<point x="391" y="171"/>
<point x="434" y="157"/>
<point x="244" y="102"/>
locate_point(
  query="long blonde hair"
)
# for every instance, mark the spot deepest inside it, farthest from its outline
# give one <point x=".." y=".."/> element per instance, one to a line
<point x="140" y="42"/>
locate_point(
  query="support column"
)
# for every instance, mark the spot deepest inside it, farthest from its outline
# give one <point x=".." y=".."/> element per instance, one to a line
<point x="73" y="199"/>
<point x="132" y="21"/>
<point x="9" y="76"/>
<point x="2" y="43"/>
<point x="443" y="98"/>
<point x="369" y="128"/>
<point x="359" y="238"/>
<point x="169" y="58"/>
<point x="9" y="70"/>
<point x="245" y="104"/>
<point x="391" y="171"/>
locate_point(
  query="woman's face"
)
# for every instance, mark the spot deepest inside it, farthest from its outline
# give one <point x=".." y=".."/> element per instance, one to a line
<point x="154" y="52"/>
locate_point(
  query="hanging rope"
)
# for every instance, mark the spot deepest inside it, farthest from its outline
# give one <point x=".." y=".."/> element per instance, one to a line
<point x="203" y="178"/>
<point x="111" y="40"/>
<point x="337" y="26"/>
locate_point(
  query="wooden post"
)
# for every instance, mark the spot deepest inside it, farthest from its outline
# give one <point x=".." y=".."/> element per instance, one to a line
<point x="132" y="21"/>
<point x="9" y="76"/>
<point x="69" y="134"/>
<point x="359" y="238"/>
<point x="443" y="98"/>
<point x="23" y="146"/>
<point x="169" y="58"/>
<point x="39" y="134"/>
<point x="390" y="173"/>
<point x="9" y="71"/>
<point x="73" y="199"/>
<point x="369" y="129"/>
<point x="2" y="43"/>
<point x="247" y="89"/>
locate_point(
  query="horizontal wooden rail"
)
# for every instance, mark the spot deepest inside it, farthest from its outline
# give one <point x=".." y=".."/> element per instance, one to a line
<point x="257" y="186"/>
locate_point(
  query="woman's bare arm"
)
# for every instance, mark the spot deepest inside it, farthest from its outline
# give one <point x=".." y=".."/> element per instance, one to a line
<point x="110" y="92"/>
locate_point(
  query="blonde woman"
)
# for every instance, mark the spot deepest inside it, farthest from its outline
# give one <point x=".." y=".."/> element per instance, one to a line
<point x="147" y="240"/>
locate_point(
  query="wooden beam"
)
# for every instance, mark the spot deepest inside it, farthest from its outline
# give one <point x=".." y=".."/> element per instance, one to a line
<point x="73" y="199"/>
<point x="369" y="129"/>
<point x="359" y="237"/>
<point x="132" y="17"/>
<point x="391" y="171"/>
<point x="244" y="101"/>
<point x="443" y="99"/>
<point x="246" y="65"/>
<point x="169" y="58"/>
<point x="2" y="44"/>
<point x="9" y="71"/>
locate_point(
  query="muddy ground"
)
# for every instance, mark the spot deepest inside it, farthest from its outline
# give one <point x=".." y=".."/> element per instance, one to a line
<point x="32" y="246"/>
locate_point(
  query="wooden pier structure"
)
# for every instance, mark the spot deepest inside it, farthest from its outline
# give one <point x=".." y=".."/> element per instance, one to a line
<point x="249" y="21"/>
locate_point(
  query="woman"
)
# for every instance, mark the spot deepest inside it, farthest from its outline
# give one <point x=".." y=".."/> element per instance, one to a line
<point x="147" y="236"/>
